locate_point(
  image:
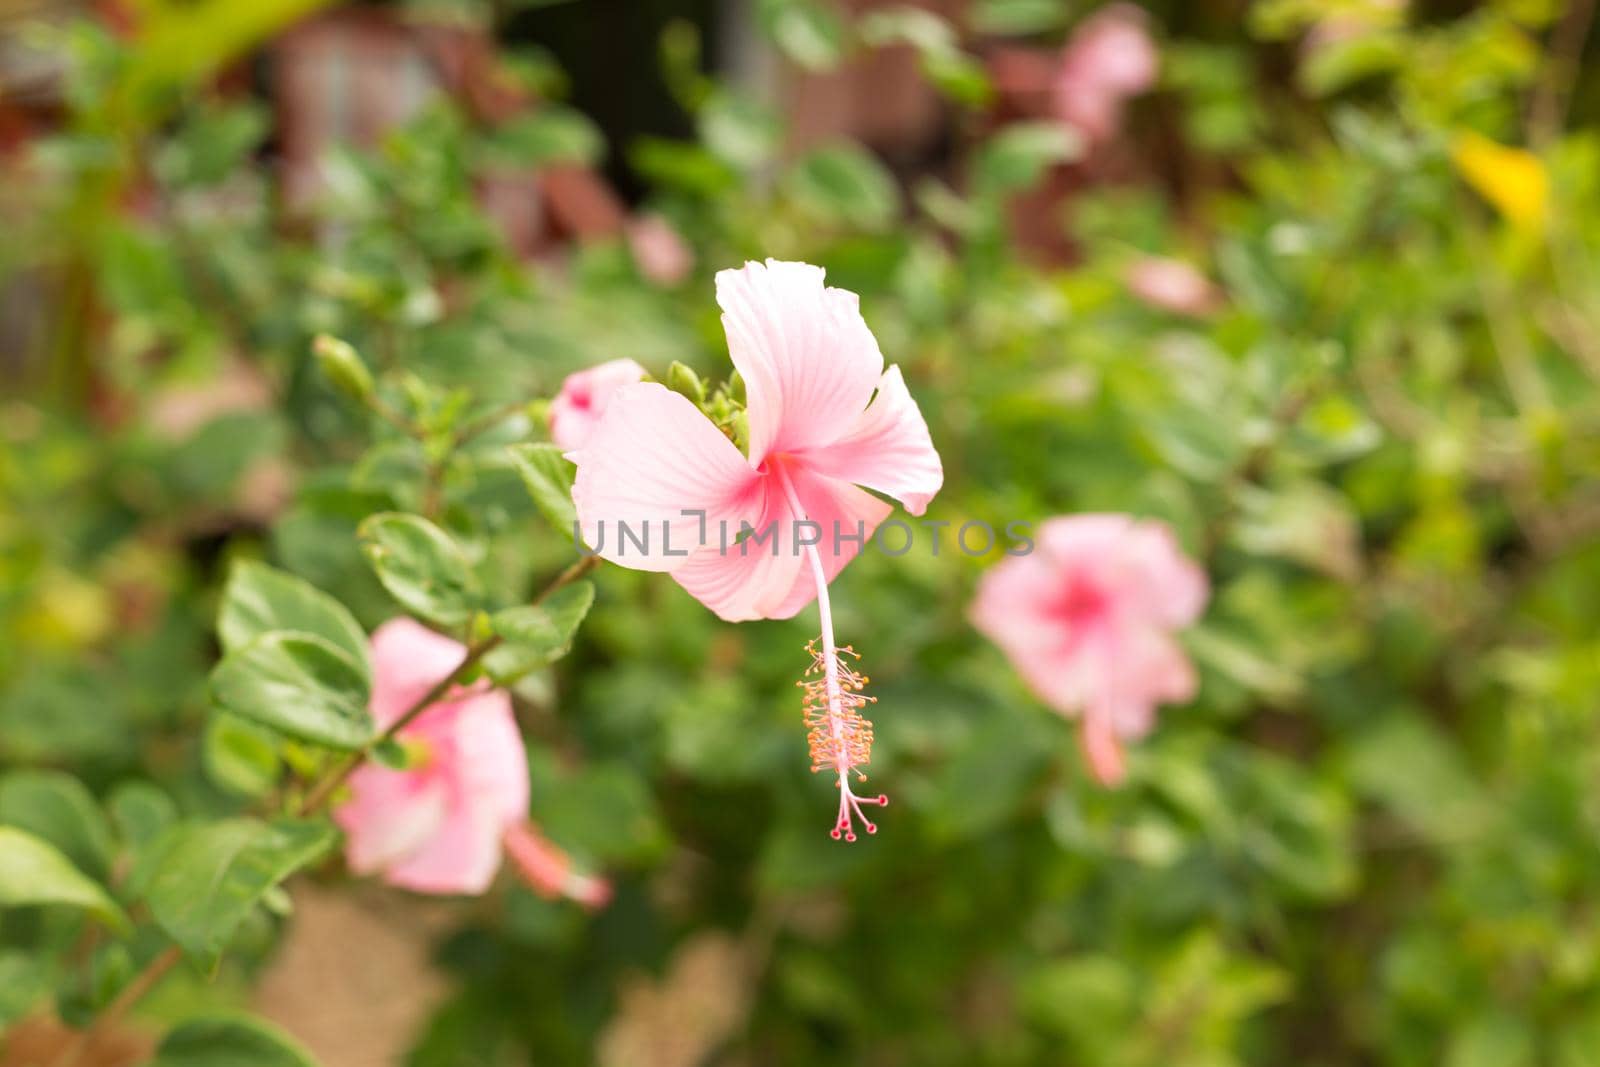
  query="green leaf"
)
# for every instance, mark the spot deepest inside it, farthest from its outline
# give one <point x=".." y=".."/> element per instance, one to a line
<point x="239" y="756"/>
<point x="550" y="135"/>
<point x="229" y="1042"/>
<point x="141" y="812"/>
<point x="548" y="476"/>
<point x="739" y="131"/>
<point x="1018" y="17"/>
<point x="845" y="183"/>
<point x="299" y="684"/>
<point x="259" y="598"/>
<point x="34" y="872"/>
<point x="807" y="31"/>
<point x="58" y="808"/>
<point x="1305" y="522"/>
<point x="24" y="983"/>
<point x="1417" y="772"/>
<point x="538" y="634"/>
<point x="421" y="567"/>
<point x="202" y="879"/>
<point x="1241" y="662"/>
<point x="1019" y="155"/>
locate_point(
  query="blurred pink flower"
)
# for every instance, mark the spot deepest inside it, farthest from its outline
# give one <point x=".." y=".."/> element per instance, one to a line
<point x="1172" y="285"/>
<point x="583" y="399"/>
<point x="824" y="417"/>
<point x="1109" y="58"/>
<point x="1087" y="620"/>
<point x="435" y="827"/>
<point x="439" y="825"/>
<point x="663" y="256"/>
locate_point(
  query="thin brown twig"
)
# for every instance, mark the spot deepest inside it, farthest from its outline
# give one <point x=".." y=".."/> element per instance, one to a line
<point x="1547" y="107"/>
<point x="323" y="791"/>
<point x="135" y="991"/>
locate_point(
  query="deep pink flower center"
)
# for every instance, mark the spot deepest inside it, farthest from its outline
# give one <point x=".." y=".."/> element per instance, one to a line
<point x="1081" y="603"/>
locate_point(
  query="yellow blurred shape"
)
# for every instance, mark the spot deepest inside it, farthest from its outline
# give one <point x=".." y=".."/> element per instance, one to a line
<point x="1514" y="180"/>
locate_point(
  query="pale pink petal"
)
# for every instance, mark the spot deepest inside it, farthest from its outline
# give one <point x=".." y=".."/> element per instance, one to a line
<point x="1102" y="747"/>
<point x="652" y="458"/>
<point x="808" y="360"/>
<point x="1112" y="51"/>
<point x="490" y="764"/>
<point x="1173" y="588"/>
<point x="845" y="518"/>
<point x="660" y="251"/>
<point x="1016" y="608"/>
<point x="888" y="449"/>
<point x="584" y="397"/>
<point x="407" y="660"/>
<point x="461" y="857"/>
<point x="1110" y="58"/>
<point x="548" y="869"/>
<point x="1172" y="285"/>
<point x="749" y="578"/>
<point x="389" y="815"/>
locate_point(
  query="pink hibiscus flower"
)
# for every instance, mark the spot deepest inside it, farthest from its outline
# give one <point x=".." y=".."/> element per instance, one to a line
<point x="583" y="399"/>
<point x="439" y="825"/>
<point x="659" y="250"/>
<point x="1087" y="620"/>
<point x="759" y="536"/>
<point x="1108" y="59"/>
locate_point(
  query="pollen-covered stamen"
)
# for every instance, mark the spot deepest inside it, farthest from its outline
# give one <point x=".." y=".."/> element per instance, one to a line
<point x="839" y="735"/>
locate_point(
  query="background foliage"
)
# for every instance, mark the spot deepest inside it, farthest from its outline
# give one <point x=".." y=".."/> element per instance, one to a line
<point x="1371" y="839"/>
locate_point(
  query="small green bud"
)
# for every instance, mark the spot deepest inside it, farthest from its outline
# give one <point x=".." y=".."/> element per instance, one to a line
<point x="681" y="379"/>
<point x="342" y="366"/>
<point x="391" y="753"/>
<point x="736" y="387"/>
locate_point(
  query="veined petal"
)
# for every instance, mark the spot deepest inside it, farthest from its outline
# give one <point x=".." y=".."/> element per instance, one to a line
<point x="748" y="578"/>
<point x="652" y="458"/>
<point x="808" y="360"/>
<point x="887" y="449"/>
<point x="845" y="516"/>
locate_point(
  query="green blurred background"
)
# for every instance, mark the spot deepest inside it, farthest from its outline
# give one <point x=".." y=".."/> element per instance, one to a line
<point x="1372" y="838"/>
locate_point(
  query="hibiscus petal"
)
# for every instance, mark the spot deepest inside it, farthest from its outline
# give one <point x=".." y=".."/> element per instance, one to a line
<point x="1102" y="747"/>
<point x="746" y="579"/>
<point x="808" y="360"/>
<point x="1015" y="608"/>
<point x="461" y="857"/>
<point x="888" y="449"/>
<point x="652" y="457"/>
<point x="489" y="759"/>
<point x="408" y="659"/>
<point x="846" y="517"/>
<point x="389" y="815"/>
